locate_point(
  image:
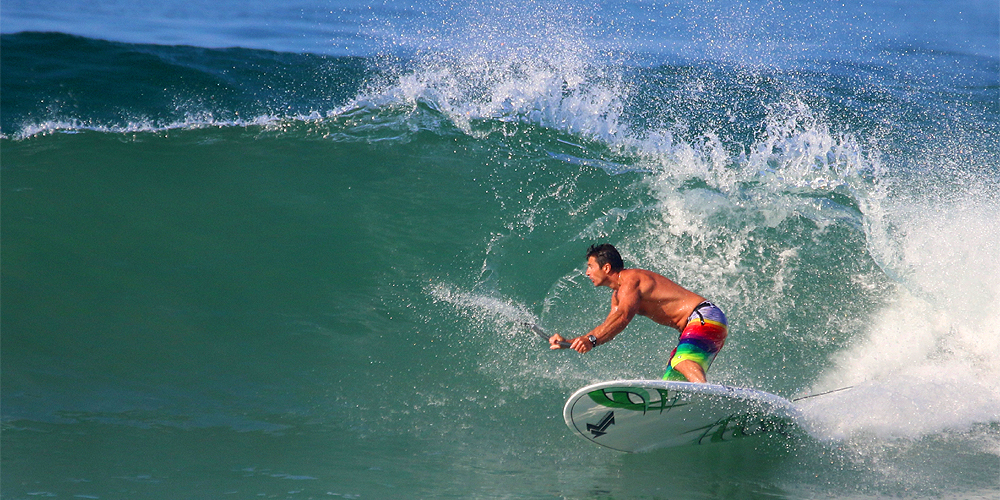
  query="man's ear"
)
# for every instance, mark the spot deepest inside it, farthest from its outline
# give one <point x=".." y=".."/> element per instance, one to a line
<point x="606" y="268"/>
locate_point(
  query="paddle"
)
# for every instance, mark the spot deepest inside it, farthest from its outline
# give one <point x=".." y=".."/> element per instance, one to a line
<point x="541" y="333"/>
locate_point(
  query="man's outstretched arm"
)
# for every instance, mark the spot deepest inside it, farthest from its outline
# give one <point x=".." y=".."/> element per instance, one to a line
<point x="624" y="306"/>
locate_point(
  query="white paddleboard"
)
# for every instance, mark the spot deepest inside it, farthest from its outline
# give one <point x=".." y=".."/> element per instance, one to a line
<point x="642" y="415"/>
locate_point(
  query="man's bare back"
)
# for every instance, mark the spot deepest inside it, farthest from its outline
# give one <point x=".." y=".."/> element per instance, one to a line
<point x="659" y="298"/>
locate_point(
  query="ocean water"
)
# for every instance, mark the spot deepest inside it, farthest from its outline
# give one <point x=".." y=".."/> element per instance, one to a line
<point x="284" y="250"/>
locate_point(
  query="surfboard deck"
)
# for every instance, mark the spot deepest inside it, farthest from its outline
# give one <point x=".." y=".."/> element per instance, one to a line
<point x="642" y="415"/>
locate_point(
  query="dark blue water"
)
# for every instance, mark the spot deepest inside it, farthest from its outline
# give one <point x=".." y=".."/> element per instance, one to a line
<point x="286" y="250"/>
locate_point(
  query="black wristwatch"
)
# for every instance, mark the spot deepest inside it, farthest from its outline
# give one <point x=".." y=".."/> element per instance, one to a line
<point x="592" y="339"/>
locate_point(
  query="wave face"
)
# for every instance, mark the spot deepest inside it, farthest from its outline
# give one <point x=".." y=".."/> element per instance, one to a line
<point x="252" y="272"/>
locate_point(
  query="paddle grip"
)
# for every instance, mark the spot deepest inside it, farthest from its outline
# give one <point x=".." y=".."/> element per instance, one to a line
<point x="541" y="333"/>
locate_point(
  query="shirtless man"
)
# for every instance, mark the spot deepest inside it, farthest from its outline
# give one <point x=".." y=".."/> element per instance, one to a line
<point x="702" y="325"/>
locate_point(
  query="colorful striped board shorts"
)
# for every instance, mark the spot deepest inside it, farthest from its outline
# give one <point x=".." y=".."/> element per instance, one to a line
<point x="700" y="341"/>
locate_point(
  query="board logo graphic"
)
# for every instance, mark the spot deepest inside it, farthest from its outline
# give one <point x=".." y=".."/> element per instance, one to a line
<point x="636" y="399"/>
<point x="602" y="427"/>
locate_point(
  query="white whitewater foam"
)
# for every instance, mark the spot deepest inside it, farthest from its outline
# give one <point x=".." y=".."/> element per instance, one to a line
<point x="930" y="361"/>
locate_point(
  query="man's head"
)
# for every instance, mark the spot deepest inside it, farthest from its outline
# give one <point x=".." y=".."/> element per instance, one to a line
<point x="603" y="261"/>
<point x="606" y="254"/>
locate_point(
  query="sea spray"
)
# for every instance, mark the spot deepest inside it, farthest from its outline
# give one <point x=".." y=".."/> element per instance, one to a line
<point x="927" y="361"/>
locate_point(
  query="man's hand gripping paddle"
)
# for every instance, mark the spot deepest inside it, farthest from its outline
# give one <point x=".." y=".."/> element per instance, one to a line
<point x="541" y="333"/>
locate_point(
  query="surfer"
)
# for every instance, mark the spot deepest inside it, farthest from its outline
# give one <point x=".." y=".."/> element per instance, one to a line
<point x="702" y="325"/>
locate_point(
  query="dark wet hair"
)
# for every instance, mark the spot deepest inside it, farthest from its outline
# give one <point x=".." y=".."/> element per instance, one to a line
<point x="606" y="254"/>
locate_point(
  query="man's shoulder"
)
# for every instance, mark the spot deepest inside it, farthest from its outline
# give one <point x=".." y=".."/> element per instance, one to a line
<point x="642" y="280"/>
<point x="650" y="281"/>
<point x="633" y="274"/>
<point x="640" y="274"/>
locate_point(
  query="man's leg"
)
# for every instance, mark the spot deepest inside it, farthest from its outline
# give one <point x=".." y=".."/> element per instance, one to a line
<point x="698" y="344"/>
<point x="691" y="371"/>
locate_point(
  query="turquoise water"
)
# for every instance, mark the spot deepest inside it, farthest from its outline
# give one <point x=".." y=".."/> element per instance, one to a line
<point x="286" y="252"/>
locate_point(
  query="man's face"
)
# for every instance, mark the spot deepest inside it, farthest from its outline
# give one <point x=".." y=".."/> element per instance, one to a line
<point x="597" y="274"/>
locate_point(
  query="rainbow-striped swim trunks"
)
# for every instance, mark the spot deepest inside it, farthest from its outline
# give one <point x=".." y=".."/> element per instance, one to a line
<point x="700" y="341"/>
